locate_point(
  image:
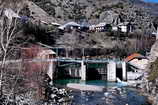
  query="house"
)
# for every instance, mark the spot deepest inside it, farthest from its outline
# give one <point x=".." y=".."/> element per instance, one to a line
<point x="137" y="61"/>
<point x="101" y="27"/>
<point x="92" y="28"/>
<point x="37" y="58"/>
<point x="84" y="28"/>
<point x="36" y="62"/>
<point x="125" y="27"/>
<point x="122" y="27"/>
<point x="155" y="34"/>
<point x="114" y="28"/>
<point x="70" y="26"/>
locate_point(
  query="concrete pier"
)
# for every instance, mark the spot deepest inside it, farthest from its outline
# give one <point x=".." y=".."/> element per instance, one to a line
<point x="111" y="71"/>
<point x="76" y="73"/>
<point x="83" y="71"/>
<point x="51" y="69"/>
<point x="124" y="72"/>
<point x="91" y="70"/>
<point x="70" y="71"/>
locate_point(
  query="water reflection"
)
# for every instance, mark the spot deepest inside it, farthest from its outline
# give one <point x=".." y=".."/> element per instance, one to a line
<point x="89" y="82"/>
<point x="111" y="96"/>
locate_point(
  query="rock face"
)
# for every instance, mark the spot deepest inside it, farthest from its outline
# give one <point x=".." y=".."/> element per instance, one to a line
<point x="154" y="52"/>
<point x="150" y="85"/>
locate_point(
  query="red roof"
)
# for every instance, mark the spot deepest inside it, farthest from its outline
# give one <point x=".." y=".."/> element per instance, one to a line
<point x="133" y="56"/>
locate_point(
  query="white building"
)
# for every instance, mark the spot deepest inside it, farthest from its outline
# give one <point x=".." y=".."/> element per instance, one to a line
<point x="115" y="28"/>
<point x="125" y="27"/>
<point x="100" y="27"/>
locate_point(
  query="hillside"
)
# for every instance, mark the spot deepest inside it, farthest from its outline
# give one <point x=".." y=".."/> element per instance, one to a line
<point x="89" y="12"/>
<point x="27" y="25"/>
<point x="93" y="12"/>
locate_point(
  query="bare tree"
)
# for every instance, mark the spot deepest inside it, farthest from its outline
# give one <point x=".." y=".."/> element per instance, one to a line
<point x="8" y="31"/>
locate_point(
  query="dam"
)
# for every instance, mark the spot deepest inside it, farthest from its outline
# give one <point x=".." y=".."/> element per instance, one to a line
<point x="90" y="69"/>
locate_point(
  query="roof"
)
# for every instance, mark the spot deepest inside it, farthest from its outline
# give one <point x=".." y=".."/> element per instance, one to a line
<point x="69" y="24"/>
<point x="46" y="52"/>
<point x="101" y="24"/>
<point x="133" y="56"/>
<point x="54" y="23"/>
<point x="124" y="23"/>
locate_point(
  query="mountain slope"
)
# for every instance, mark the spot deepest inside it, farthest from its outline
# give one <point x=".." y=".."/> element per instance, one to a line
<point x="93" y="12"/>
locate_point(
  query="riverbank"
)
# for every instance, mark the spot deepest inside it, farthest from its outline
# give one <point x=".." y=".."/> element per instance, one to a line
<point x="151" y="100"/>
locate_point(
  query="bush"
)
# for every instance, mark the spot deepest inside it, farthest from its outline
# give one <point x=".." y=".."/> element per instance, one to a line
<point x="154" y="71"/>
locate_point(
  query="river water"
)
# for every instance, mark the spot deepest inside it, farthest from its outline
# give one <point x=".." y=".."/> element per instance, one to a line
<point x="113" y="94"/>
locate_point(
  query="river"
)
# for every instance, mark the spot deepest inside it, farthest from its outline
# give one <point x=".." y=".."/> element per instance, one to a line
<point x="112" y="95"/>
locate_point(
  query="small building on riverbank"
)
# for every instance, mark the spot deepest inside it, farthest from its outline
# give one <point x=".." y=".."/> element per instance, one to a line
<point x="137" y="61"/>
<point x="37" y="62"/>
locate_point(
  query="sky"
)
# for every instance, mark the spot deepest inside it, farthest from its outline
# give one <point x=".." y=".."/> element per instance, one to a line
<point x="154" y="1"/>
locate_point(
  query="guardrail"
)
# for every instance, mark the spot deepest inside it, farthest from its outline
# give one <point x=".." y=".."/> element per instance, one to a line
<point x="63" y="60"/>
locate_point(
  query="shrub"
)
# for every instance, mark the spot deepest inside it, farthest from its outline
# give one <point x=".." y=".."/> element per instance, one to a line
<point x="154" y="71"/>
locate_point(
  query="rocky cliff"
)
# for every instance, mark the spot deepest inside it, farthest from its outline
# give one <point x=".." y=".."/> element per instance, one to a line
<point x="150" y="85"/>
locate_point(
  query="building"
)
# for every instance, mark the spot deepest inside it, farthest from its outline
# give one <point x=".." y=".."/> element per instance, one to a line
<point x="36" y="62"/>
<point x="155" y="34"/>
<point x="114" y="28"/>
<point x="125" y="27"/>
<point x="70" y="26"/>
<point x="84" y="28"/>
<point x="101" y="27"/>
<point x="137" y="61"/>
